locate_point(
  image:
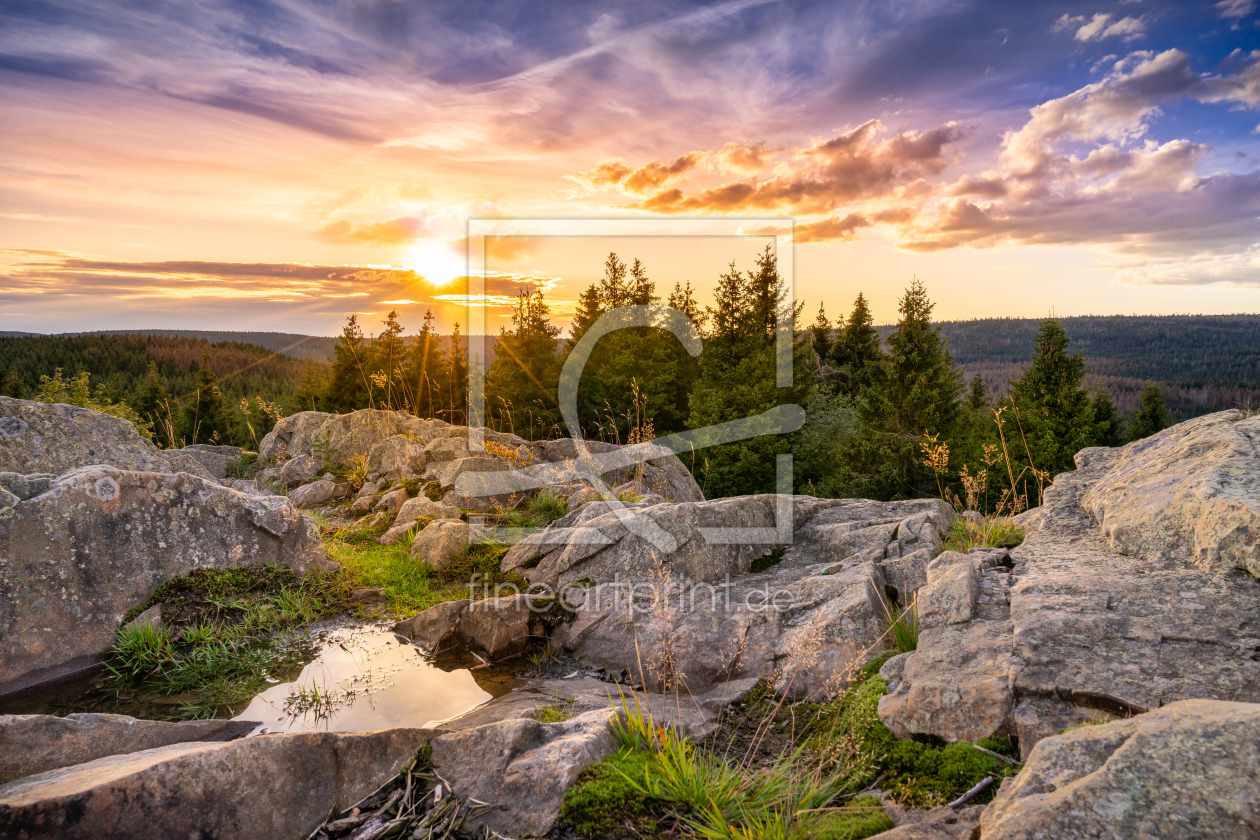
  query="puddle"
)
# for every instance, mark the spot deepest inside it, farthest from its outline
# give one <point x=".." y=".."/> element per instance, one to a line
<point x="366" y="678"/>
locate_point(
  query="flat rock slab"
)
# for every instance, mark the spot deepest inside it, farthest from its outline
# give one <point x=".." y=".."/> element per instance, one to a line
<point x="31" y="744"/>
<point x="1186" y="770"/>
<point x="1094" y="620"/>
<point x="501" y="754"/>
<point x="270" y="786"/>
<point x="99" y="541"/>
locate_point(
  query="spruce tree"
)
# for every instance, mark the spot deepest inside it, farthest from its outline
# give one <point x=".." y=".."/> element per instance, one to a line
<point x="152" y="404"/>
<point x="1108" y="426"/>
<point x="454" y="374"/>
<point x="11" y="385"/>
<point x="425" y="360"/>
<point x="978" y="394"/>
<point x="822" y="335"/>
<point x="856" y="351"/>
<point x="205" y="416"/>
<point x="913" y="396"/>
<point x="1057" y="416"/>
<point x="1152" y="413"/>
<point x="521" y="382"/>
<point x="349" y="386"/>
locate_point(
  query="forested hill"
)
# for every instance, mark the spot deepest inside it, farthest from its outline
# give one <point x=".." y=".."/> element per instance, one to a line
<point x="318" y="347"/>
<point x="1203" y="362"/>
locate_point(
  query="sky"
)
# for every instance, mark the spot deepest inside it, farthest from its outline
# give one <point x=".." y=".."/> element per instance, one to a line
<point x="280" y="164"/>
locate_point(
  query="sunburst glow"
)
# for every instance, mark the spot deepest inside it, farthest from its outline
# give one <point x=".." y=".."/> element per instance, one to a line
<point x="436" y="261"/>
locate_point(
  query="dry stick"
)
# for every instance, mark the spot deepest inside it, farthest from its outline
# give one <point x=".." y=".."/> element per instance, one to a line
<point x="1003" y="758"/>
<point x="981" y="785"/>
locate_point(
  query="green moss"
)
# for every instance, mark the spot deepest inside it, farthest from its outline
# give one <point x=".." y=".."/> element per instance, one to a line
<point x="768" y="561"/>
<point x="860" y="817"/>
<point x="922" y="776"/>
<point x="603" y="799"/>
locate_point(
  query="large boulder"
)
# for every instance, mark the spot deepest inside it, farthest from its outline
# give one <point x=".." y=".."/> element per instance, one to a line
<point x="100" y="540"/>
<point x="1077" y="630"/>
<point x="678" y="580"/>
<point x="31" y="744"/>
<point x="440" y="543"/>
<point x="273" y="786"/>
<point x="292" y="435"/>
<point x="213" y="458"/>
<point x="1185" y="770"/>
<point x="1191" y="492"/>
<point x="396" y="454"/>
<point x="41" y="438"/>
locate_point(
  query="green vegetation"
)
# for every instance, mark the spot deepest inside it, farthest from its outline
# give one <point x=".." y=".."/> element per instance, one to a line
<point x="411" y="587"/>
<point x="605" y="797"/>
<point x="223" y="634"/>
<point x="539" y="510"/>
<point x="558" y="713"/>
<point x="991" y="532"/>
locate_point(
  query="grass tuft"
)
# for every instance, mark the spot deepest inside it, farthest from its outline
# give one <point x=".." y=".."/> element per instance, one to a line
<point x="991" y="532"/>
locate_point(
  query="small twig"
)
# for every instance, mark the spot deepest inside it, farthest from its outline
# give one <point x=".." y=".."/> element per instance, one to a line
<point x="1006" y="759"/>
<point x="981" y="785"/>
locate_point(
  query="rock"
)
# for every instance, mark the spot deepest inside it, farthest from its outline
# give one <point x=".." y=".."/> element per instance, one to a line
<point x="292" y="435"/>
<point x="362" y="505"/>
<point x="908" y="573"/>
<point x="436" y="626"/>
<point x="299" y="470"/>
<point x="631" y="491"/>
<point x="1099" y="632"/>
<point x="951" y="591"/>
<point x="26" y="486"/>
<point x="499" y="753"/>
<point x="367" y="488"/>
<point x="275" y="786"/>
<point x="444" y="449"/>
<point x="31" y="744"/>
<point x="1185" y="770"/>
<point x="179" y="461"/>
<point x="1189" y="492"/>
<point x="315" y="493"/>
<point x="99" y="541"/>
<point x="440" y="543"/>
<point x="392" y="501"/>
<point x="357" y="432"/>
<point x="213" y="458"/>
<point x="368" y="596"/>
<point x="581" y="497"/>
<point x="943" y="823"/>
<point x="1030" y="520"/>
<point x="723" y="621"/>
<point x="152" y="617"/>
<point x="40" y="438"/>
<point x="7" y="499"/>
<point x="422" y="507"/>
<point x="472" y="486"/>
<point x="501" y="626"/>
<point x="972" y="516"/>
<point x="397" y="453"/>
<point x="395" y="533"/>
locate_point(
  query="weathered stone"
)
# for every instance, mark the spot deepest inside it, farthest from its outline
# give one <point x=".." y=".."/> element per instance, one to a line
<point x="299" y="470"/>
<point x="367" y="488"/>
<point x="213" y="458"/>
<point x="582" y="496"/>
<point x="943" y="823"/>
<point x="908" y="573"/>
<point x="179" y="461"/>
<point x="368" y="596"/>
<point x="436" y="626"/>
<point x="422" y="507"/>
<point x="1185" y="770"/>
<point x="362" y="505"/>
<point x="99" y="541"/>
<point x="1075" y="620"/>
<point x="500" y="753"/>
<point x="31" y="744"/>
<point x="152" y="617"/>
<point x="471" y="484"/>
<point x="440" y="542"/>
<point x="951" y="591"/>
<point x="274" y="786"/>
<point x="348" y="435"/>
<point x="40" y="438"/>
<point x="26" y="486"/>
<point x="500" y="626"/>
<point x="1189" y="492"/>
<point x="392" y="501"/>
<point x="315" y="493"/>
<point x="292" y="435"/>
<point x="397" y="453"/>
<point x="1036" y="718"/>
<point x="7" y="499"/>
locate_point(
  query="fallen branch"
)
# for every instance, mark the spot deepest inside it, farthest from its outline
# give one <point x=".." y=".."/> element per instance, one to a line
<point x="981" y="785"/>
<point x="1003" y="758"/>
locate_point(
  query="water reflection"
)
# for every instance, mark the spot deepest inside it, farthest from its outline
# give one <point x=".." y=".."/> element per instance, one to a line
<point x="364" y="678"/>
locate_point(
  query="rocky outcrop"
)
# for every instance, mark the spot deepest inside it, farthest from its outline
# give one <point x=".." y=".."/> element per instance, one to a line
<point x="803" y="621"/>
<point x="31" y="744"/>
<point x="1078" y="630"/>
<point x="292" y="435"/>
<point x="440" y="543"/>
<point x="39" y="438"/>
<point x="1191" y="492"/>
<point x="213" y="458"/>
<point x="1185" y="770"/>
<point x="272" y="786"/>
<point x="502" y="755"/>
<point x="100" y="540"/>
<point x="396" y="454"/>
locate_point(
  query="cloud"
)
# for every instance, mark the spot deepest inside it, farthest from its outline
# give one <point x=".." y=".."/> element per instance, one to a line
<point x="640" y="180"/>
<point x="398" y="231"/>
<point x="1100" y="27"/>
<point x="1234" y="9"/>
<point x="858" y="164"/>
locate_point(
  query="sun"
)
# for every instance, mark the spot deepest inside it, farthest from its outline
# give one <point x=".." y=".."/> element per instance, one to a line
<point x="436" y="261"/>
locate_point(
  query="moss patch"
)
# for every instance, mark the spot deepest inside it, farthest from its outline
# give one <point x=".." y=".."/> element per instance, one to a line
<point x="603" y="800"/>
<point x="860" y="817"/>
<point x="767" y="561"/>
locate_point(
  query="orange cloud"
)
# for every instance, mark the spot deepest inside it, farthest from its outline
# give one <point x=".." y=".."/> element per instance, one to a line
<point x="644" y="179"/>
<point x="400" y="231"/>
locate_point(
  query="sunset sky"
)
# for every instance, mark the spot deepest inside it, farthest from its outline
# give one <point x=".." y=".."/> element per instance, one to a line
<point x="278" y="165"/>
